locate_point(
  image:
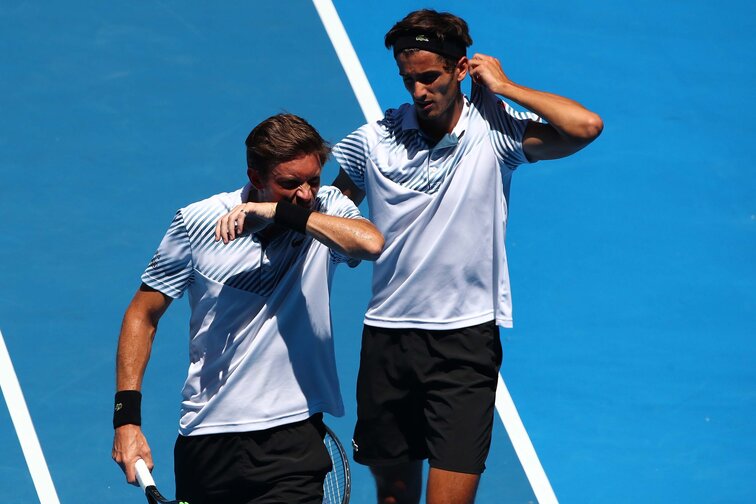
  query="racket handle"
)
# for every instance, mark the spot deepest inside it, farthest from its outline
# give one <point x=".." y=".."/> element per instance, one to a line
<point x="143" y="475"/>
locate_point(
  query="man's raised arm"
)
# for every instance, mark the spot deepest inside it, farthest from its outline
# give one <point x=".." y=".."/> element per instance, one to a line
<point x="570" y="125"/>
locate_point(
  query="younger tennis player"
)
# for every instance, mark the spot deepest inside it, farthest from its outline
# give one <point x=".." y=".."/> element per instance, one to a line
<point x="257" y="264"/>
<point x="436" y="174"/>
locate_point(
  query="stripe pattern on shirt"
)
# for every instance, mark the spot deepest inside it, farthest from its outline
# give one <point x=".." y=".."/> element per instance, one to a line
<point x="247" y="263"/>
<point x="424" y="167"/>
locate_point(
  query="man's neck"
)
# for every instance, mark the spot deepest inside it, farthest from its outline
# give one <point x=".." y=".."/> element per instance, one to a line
<point x="436" y="129"/>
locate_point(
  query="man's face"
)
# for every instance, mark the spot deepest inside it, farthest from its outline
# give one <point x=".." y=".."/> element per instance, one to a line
<point x="433" y="88"/>
<point x="296" y="181"/>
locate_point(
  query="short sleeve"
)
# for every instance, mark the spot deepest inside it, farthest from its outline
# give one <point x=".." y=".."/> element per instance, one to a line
<point x="352" y="153"/>
<point x="333" y="202"/>
<point x="507" y="126"/>
<point x="170" y="270"/>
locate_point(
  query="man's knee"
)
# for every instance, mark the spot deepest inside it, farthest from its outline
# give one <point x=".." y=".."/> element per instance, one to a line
<point x="450" y="487"/>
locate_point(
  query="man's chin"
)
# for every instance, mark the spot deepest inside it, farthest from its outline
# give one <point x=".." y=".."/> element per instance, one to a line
<point x="424" y="112"/>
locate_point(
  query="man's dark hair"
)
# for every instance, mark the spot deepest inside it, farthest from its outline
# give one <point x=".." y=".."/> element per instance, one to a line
<point x="281" y="138"/>
<point x="442" y="25"/>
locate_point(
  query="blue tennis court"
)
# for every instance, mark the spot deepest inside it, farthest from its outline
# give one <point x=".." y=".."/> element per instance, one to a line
<point x="633" y="263"/>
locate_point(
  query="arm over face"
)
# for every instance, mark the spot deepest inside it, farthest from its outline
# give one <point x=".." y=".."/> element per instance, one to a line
<point x="357" y="238"/>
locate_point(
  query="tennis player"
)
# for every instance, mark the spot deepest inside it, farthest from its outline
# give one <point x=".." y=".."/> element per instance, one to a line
<point x="257" y="264"/>
<point x="436" y="173"/>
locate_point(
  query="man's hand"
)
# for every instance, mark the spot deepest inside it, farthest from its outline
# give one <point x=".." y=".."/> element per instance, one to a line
<point x="487" y="71"/>
<point x="130" y="445"/>
<point x="248" y="216"/>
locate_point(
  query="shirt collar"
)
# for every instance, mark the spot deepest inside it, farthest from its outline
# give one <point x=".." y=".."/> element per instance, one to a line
<point x="409" y="122"/>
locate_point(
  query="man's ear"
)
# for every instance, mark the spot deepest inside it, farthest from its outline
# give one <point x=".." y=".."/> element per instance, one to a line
<point x="254" y="177"/>
<point x="462" y="66"/>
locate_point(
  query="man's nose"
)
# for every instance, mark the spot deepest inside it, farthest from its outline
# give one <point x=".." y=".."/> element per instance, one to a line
<point x="304" y="192"/>
<point x="418" y="91"/>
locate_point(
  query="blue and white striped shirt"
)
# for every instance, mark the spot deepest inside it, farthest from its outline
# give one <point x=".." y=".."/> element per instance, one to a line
<point x="412" y="161"/>
<point x="247" y="263"/>
<point x="442" y="210"/>
<point x="260" y="338"/>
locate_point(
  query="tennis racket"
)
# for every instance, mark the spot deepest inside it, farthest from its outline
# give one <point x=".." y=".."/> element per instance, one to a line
<point x="148" y="485"/>
<point x="338" y="482"/>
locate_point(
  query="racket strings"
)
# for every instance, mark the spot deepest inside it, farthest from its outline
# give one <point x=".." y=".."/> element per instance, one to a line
<point x="336" y="481"/>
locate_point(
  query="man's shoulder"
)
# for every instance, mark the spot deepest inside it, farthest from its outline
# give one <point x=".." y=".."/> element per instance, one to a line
<point x="330" y="196"/>
<point x="393" y="121"/>
<point x="328" y="191"/>
<point x="396" y="119"/>
<point x="215" y="205"/>
<point x="331" y="201"/>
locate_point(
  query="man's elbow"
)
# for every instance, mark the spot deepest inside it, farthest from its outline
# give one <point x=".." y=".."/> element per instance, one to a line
<point x="374" y="247"/>
<point x="370" y="246"/>
<point x="591" y="128"/>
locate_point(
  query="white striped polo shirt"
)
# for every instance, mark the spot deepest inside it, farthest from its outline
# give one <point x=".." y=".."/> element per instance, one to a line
<point x="442" y="210"/>
<point x="260" y="343"/>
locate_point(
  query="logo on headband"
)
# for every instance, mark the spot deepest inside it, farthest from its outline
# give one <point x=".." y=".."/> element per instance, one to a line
<point x="422" y="38"/>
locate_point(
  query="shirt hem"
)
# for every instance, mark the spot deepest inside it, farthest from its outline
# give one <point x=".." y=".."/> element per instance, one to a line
<point x="506" y="323"/>
<point x="435" y="324"/>
<point x="260" y="425"/>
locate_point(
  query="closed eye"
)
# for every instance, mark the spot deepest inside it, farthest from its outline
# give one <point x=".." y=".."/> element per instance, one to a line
<point x="423" y="78"/>
<point x="292" y="184"/>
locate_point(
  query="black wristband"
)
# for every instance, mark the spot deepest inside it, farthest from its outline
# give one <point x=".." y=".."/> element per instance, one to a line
<point x="128" y="408"/>
<point x="292" y="216"/>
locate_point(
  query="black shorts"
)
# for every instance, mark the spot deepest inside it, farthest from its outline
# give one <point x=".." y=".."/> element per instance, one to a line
<point x="282" y="464"/>
<point x="427" y="394"/>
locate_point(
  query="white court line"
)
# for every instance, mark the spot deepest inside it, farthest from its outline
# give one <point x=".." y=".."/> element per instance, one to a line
<point x="372" y="111"/>
<point x="349" y="60"/>
<point x="522" y="445"/>
<point x="25" y="429"/>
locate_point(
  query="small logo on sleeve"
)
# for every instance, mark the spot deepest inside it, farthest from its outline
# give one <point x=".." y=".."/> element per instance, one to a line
<point x="155" y="261"/>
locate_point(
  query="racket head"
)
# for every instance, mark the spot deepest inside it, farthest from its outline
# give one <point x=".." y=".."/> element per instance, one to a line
<point x="338" y="482"/>
<point x="155" y="497"/>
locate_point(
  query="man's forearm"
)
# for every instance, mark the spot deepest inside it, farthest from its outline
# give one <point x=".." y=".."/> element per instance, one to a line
<point x="134" y="347"/>
<point x="356" y="238"/>
<point x="567" y="116"/>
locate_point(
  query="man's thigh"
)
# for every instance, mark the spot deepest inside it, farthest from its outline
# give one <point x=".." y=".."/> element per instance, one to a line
<point x="390" y="425"/>
<point x="460" y="392"/>
<point x="283" y="464"/>
<point x="427" y="394"/>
